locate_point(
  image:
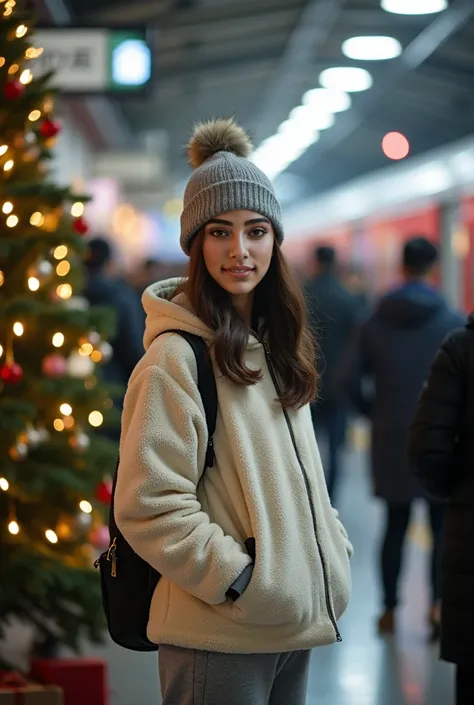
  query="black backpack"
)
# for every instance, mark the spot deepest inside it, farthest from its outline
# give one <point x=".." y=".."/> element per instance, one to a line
<point x="128" y="582"/>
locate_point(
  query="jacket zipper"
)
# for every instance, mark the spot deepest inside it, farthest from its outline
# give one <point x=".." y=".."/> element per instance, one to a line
<point x="332" y="617"/>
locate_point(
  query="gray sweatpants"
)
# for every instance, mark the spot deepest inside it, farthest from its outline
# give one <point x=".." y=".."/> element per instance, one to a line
<point x="190" y="677"/>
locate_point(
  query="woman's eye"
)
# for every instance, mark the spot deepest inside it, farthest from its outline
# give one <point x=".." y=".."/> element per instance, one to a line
<point x="218" y="233"/>
<point x="257" y="232"/>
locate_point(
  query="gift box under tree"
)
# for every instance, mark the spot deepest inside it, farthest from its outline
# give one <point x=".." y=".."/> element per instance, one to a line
<point x="83" y="681"/>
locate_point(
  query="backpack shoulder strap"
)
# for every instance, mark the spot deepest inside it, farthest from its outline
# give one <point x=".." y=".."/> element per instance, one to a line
<point x="206" y="385"/>
<point x="208" y="391"/>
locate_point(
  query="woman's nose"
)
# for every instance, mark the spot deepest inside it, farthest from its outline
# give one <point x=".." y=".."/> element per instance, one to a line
<point x="239" y="249"/>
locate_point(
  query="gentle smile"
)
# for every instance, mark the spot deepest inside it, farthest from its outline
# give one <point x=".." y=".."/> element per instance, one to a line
<point x="238" y="270"/>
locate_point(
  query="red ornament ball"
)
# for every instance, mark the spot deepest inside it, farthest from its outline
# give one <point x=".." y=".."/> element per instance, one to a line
<point x="54" y="365"/>
<point x="80" y="226"/>
<point x="49" y="128"/>
<point x="11" y="373"/>
<point x="104" y="492"/>
<point x="13" y="90"/>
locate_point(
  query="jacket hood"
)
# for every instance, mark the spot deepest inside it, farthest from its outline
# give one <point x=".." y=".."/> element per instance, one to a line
<point x="167" y="310"/>
<point x="410" y="307"/>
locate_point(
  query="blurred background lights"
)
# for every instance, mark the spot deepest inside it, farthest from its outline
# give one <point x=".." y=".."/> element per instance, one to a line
<point x="310" y="118"/>
<point x="63" y="268"/>
<point x="329" y="100"/>
<point x="346" y="78"/>
<point x="414" y="7"/>
<point x="18" y="328"/>
<point x="58" y="340"/>
<point x="13" y="528"/>
<point x="64" y="291"/>
<point x="77" y="210"/>
<point x="65" y="409"/>
<point x="372" y="48"/>
<point x="60" y="252"/>
<point x="4" y="484"/>
<point x="395" y="145"/>
<point x="96" y="419"/>
<point x="33" y="284"/>
<point x="37" y="218"/>
<point x="85" y="507"/>
<point x="51" y="536"/>
<point x="26" y="77"/>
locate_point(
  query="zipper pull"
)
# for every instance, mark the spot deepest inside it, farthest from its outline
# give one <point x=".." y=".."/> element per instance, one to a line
<point x="112" y="548"/>
<point x="266" y="347"/>
<point x="210" y="454"/>
<point x="114" y="565"/>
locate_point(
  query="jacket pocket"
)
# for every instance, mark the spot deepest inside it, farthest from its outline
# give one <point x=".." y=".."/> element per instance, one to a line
<point x="340" y="573"/>
<point x="240" y="585"/>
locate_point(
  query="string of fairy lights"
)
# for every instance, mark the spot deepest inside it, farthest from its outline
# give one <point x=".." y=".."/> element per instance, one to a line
<point x="90" y="350"/>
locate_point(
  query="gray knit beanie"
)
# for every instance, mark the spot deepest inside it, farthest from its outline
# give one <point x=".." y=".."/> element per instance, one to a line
<point x="224" y="180"/>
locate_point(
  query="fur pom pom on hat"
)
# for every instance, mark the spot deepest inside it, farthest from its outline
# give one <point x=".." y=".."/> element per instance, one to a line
<point x="221" y="135"/>
<point x="224" y="179"/>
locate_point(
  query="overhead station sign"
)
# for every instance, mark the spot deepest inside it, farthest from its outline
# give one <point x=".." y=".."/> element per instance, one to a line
<point x="95" y="60"/>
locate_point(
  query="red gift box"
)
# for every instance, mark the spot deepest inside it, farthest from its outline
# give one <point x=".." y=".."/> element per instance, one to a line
<point x="82" y="680"/>
<point x="16" y="690"/>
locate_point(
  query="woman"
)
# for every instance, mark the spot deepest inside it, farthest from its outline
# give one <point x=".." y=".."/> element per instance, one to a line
<point x="441" y="448"/>
<point x="254" y="560"/>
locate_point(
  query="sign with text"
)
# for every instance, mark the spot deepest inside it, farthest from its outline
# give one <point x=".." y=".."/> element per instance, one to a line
<point x="94" y="60"/>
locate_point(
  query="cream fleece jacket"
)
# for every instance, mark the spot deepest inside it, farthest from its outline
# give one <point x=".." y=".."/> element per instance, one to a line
<point x="194" y="532"/>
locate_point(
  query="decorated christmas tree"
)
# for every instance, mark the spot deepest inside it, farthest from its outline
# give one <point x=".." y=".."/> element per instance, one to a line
<point x="53" y="460"/>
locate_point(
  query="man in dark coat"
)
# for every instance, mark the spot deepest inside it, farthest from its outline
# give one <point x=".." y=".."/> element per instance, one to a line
<point x="441" y="449"/>
<point x="332" y="316"/>
<point x="105" y="289"/>
<point x="392" y="357"/>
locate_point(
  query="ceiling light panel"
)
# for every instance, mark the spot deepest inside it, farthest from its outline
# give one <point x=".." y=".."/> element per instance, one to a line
<point x="372" y="48"/>
<point x="346" y="78"/>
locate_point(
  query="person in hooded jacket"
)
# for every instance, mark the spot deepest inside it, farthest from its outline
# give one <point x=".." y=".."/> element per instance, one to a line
<point x="441" y="450"/>
<point x="391" y="359"/>
<point x="254" y="561"/>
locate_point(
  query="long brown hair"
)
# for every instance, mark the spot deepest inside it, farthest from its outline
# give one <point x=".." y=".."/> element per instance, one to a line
<point x="280" y="304"/>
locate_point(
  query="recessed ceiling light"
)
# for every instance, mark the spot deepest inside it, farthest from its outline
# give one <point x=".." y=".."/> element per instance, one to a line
<point x="414" y="7"/>
<point x="329" y="101"/>
<point x="277" y="152"/>
<point x="346" y="78"/>
<point x="372" y="48"/>
<point x="310" y="117"/>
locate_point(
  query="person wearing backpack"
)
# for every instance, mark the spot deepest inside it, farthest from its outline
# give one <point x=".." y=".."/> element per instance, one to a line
<point x="441" y="451"/>
<point x="254" y="562"/>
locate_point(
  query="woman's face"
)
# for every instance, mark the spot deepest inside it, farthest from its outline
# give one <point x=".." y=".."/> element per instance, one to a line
<point x="237" y="249"/>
